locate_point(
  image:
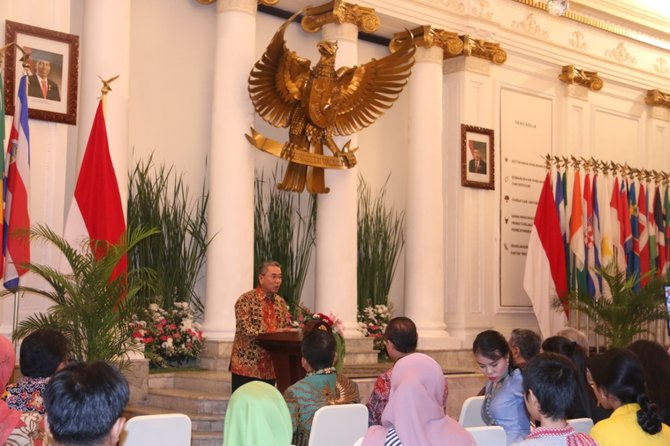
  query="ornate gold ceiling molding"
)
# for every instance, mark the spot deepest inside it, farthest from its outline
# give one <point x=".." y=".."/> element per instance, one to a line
<point x="454" y="45"/>
<point x="657" y="98"/>
<point x="571" y="74"/>
<point x="426" y="36"/>
<point x="340" y="12"/>
<point x="603" y="25"/>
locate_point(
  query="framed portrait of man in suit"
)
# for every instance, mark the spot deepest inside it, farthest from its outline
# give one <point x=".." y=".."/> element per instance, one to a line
<point x="50" y="62"/>
<point x="477" y="157"/>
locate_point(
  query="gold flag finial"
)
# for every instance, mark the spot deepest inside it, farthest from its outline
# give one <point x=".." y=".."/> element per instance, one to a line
<point x="105" y="84"/>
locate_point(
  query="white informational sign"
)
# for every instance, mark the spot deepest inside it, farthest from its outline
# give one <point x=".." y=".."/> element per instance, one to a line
<point x="525" y="139"/>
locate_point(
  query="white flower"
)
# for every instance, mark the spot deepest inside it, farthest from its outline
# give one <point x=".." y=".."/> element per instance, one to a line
<point x="153" y="307"/>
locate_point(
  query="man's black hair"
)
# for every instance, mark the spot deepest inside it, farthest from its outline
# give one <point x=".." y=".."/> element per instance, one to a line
<point x="401" y="331"/>
<point x="527" y="341"/>
<point x="83" y="401"/>
<point x="318" y="347"/>
<point x="42" y="351"/>
<point x="553" y="380"/>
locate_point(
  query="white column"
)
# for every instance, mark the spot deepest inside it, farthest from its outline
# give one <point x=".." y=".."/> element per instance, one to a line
<point x="230" y="256"/>
<point x="336" y="222"/>
<point x="424" y="249"/>
<point x="105" y="52"/>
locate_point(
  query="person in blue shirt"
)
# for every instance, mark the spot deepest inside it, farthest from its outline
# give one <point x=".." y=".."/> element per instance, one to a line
<point x="503" y="399"/>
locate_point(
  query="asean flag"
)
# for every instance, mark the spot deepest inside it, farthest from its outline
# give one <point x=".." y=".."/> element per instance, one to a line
<point x="96" y="212"/>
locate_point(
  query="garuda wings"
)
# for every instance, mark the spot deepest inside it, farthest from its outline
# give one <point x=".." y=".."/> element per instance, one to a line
<point x="319" y="102"/>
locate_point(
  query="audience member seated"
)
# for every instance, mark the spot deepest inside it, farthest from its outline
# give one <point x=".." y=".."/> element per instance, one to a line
<point x="85" y="404"/>
<point x="523" y="345"/>
<point x="585" y="404"/>
<point x="656" y="364"/>
<point x="400" y="339"/>
<point x="549" y="384"/>
<point x="577" y="336"/>
<point x="16" y="427"/>
<point x="42" y="353"/>
<point x="503" y="398"/>
<point x="257" y="415"/>
<point x="321" y="386"/>
<point x="619" y="384"/>
<point x="414" y="414"/>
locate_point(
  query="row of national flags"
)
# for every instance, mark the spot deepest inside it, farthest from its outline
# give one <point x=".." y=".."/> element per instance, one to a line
<point x="96" y="212"/>
<point x="586" y="221"/>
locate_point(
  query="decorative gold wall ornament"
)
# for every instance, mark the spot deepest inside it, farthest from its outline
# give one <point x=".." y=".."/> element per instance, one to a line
<point x="483" y="49"/>
<point x="454" y="45"/>
<point x="426" y="36"/>
<point x="318" y="103"/>
<point x="571" y="74"/>
<point x="340" y="12"/>
<point x="658" y="98"/>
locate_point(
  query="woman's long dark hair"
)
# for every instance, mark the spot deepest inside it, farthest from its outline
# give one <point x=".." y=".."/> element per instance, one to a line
<point x="656" y="364"/>
<point x="619" y="373"/>
<point x="492" y="344"/>
<point x="564" y="346"/>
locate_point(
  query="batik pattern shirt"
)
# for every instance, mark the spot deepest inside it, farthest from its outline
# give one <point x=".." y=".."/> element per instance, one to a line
<point x="255" y="314"/>
<point x="26" y="395"/>
<point x="313" y="392"/>
<point x="30" y="431"/>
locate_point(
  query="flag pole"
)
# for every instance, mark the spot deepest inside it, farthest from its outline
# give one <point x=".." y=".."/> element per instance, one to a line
<point x="15" y="318"/>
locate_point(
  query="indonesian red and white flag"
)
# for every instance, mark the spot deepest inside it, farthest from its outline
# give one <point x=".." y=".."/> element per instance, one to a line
<point x="96" y="212"/>
<point x="544" y="277"/>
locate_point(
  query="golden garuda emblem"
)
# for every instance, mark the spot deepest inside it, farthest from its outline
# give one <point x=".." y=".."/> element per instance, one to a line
<point x="317" y="103"/>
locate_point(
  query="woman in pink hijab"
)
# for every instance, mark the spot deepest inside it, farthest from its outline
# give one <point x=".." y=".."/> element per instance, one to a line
<point x="415" y="415"/>
<point x="16" y="428"/>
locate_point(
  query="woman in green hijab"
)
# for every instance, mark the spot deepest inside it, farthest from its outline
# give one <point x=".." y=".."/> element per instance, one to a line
<point x="257" y="416"/>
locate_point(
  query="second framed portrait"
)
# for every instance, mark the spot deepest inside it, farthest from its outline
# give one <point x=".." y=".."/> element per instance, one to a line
<point x="477" y="157"/>
<point x="51" y="65"/>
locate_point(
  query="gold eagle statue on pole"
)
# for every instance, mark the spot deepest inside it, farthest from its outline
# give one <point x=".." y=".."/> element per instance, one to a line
<point x="319" y="103"/>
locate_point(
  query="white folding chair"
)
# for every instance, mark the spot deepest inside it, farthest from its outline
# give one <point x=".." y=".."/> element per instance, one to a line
<point x="338" y="425"/>
<point x="471" y="412"/>
<point x="488" y="435"/>
<point x="583" y="425"/>
<point x="358" y="442"/>
<point x="172" y="429"/>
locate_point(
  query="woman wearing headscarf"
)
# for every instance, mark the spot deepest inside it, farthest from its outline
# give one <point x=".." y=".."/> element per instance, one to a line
<point x="16" y="428"/>
<point x="257" y="416"/>
<point x="414" y="415"/>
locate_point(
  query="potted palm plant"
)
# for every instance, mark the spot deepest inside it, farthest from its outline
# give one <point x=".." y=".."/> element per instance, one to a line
<point x="627" y="313"/>
<point x="91" y="308"/>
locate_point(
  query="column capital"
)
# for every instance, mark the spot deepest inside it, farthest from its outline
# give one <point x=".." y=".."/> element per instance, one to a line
<point x="340" y="12"/>
<point x="427" y="36"/>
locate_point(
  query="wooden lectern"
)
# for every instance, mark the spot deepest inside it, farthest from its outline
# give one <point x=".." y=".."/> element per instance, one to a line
<point x="284" y="348"/>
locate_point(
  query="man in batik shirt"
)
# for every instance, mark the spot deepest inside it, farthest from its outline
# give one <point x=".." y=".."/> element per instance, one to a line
<point x="257" y="311"/>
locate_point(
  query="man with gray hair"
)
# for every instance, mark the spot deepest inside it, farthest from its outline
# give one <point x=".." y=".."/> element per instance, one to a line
<point x="524" y="344"/>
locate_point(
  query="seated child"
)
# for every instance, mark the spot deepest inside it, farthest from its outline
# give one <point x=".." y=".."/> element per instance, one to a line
<point x="321" y="386"/>
<point x="549" y="384"/>
<point x="43" y="352"/>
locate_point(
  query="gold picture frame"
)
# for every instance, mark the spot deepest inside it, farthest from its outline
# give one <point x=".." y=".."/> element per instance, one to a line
<point x="52" y="54"/>
<point x="477" y="157"/>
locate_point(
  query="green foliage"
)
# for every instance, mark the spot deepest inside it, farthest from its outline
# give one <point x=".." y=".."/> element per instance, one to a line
<point x="92" y="311"/>
<point x="157" y="197"/>
<point x="381" y="237"/>
<point x="626" y="314"/>
<point x="284" y="233"/>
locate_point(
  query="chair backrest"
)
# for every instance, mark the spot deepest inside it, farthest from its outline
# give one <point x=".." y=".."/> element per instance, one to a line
<point x="471" y="412"/>
<point x="488" y="435"/>
<point x="172" y="429"/>
<point x="359" y="442"/>
<point x="338" y="425"/>
<point x="583" y="425"/>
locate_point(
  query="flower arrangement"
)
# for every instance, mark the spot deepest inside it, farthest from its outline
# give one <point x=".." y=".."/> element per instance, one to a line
<point x="306" y="317"/>
<point x="372" y="322"/>
<point x="171" y="338"/>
